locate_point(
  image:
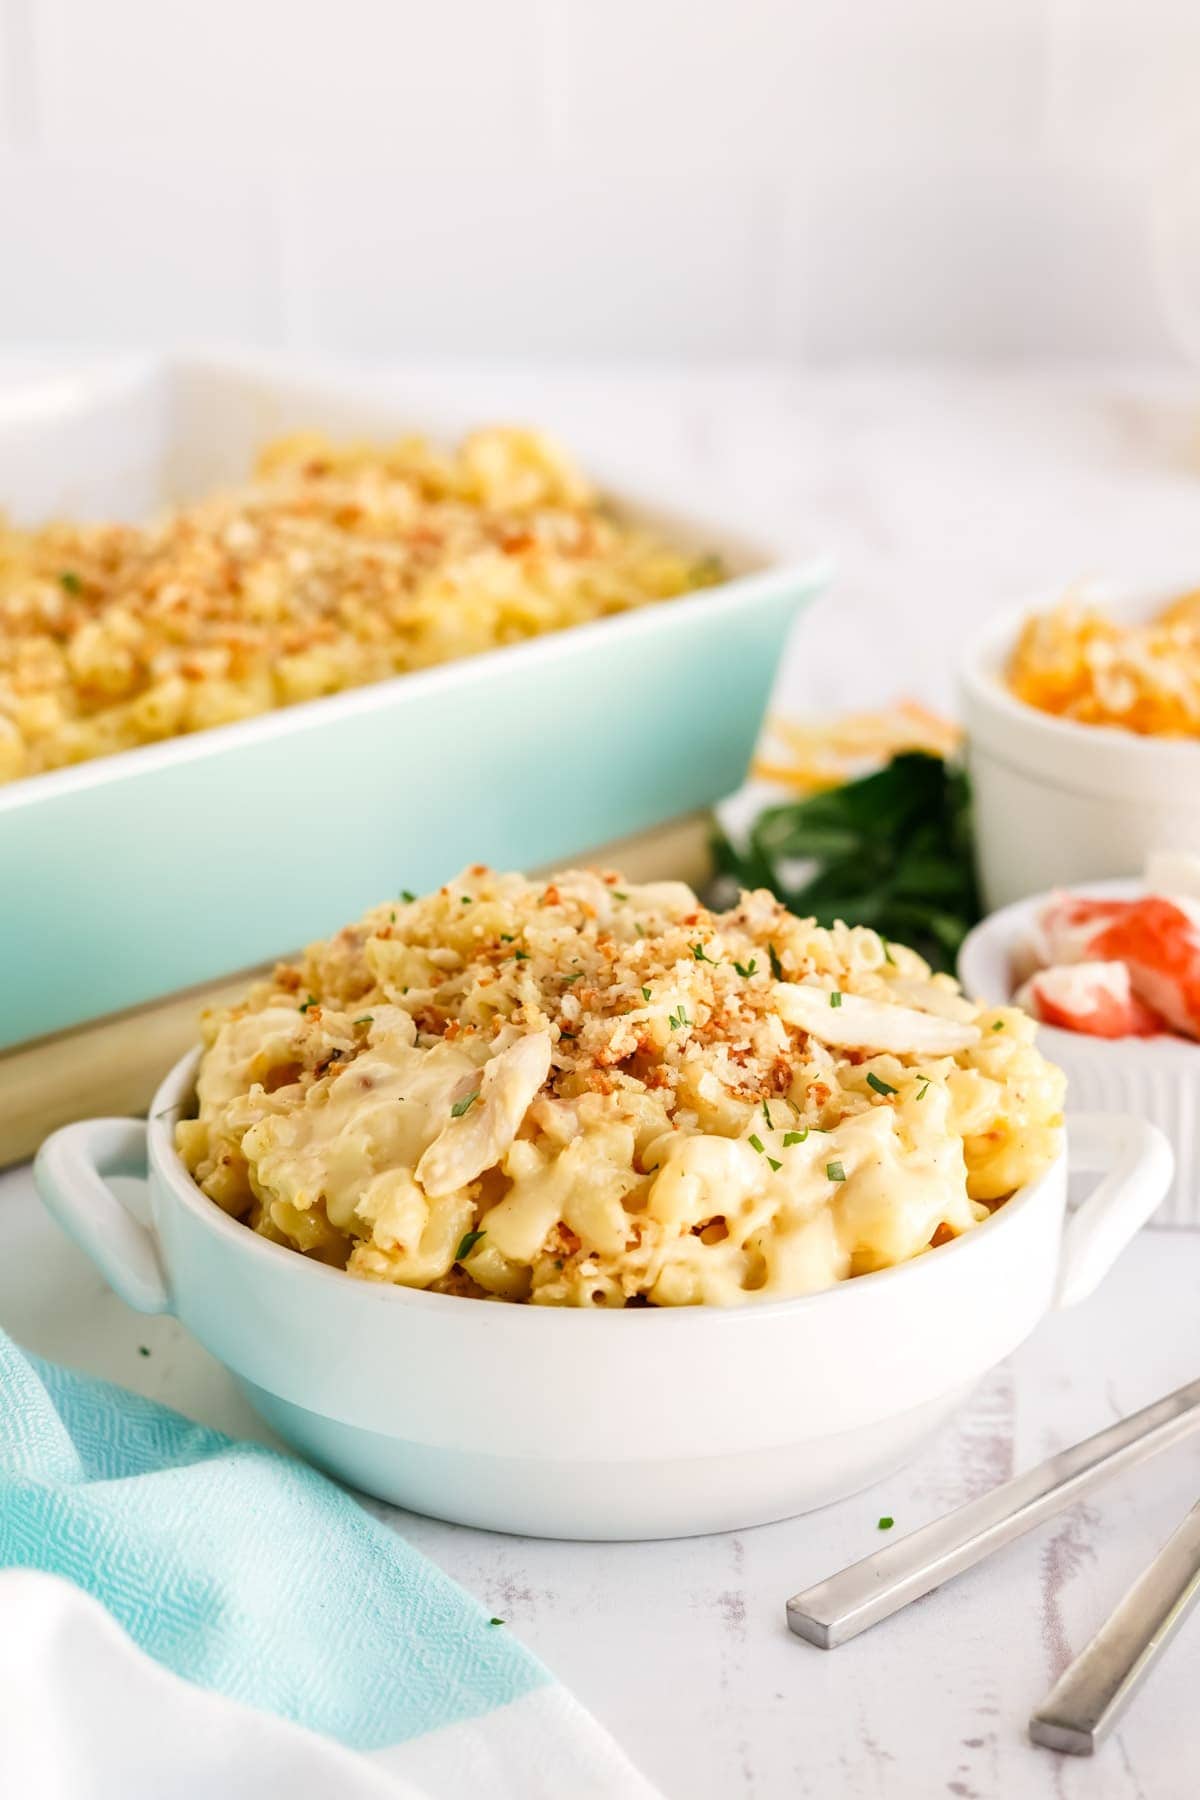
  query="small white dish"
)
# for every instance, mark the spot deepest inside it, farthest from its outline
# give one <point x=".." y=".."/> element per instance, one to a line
<point x="1155" y="1078"/>
<point x="1057" y="803"/>
<point x="564" y="1423"/>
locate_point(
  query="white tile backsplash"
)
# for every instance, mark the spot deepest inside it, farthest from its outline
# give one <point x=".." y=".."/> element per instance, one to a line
<point x="988" y="257"/>
<point x="360" y="86"/>
<point x="595" y="178"/>
<point x="579" y="258"/>
<point x="109" y="256"/>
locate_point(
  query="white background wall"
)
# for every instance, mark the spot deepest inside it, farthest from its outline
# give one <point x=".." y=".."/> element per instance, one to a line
<point x="809" y="179"/>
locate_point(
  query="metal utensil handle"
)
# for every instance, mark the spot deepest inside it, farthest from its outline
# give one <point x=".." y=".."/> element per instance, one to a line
<point x="1088" y="1699"/>
<point x="836" y="1610"/>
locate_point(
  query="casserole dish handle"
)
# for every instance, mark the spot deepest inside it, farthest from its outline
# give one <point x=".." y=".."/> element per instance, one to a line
<point x="72" y="1173"/>
<point x="1137" y="1165"/>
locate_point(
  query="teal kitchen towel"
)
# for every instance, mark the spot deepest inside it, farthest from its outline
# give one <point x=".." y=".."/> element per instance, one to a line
<point x="240" y="1569"/>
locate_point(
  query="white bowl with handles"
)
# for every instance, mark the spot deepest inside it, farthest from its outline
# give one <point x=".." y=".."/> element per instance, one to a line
<point x="564" y="1423"/>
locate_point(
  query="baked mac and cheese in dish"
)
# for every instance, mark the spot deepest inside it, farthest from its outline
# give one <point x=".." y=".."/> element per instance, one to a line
<point x="334" y="566"/>
<point x="579" y="1092"/>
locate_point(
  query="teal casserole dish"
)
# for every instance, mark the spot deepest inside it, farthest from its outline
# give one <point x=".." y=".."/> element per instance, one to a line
<point x="158" y="868"/>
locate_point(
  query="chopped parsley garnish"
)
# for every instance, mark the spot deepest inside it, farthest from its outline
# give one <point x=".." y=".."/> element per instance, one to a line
<point x="698" y="952"/>
<point x="639" y="928"/>
<point x="887" y="953"/>
<point x="617" y="895"/>
<point x="467" y="899"/>
<point x="469" y="1241"/>
<point x="520" y="956"/>
<point x="756" y="1142"/>
<point x="71" y="581"/>
<point x="464" y="1105"/>
<point x="886" y="1523"/>
<point x="775" y="1165"/>
<point x="767" y="1116"/>
<point x="881" y="1087"/>
<point x="506" y="937"/>
<point x="495" y="1621"/>
<point x="835" y="1171"/>
<point x="407" y="895"/>
<point x="776" y="965"/>
<point x="367" y="1019"/>
<point x="678" y="1020"/>
<point x="578" y="976"/>
<point x="143" y="1349"/>
<point x="794" y="1137"/>
<point x="746" y="970"/>
<point x="998" y="1025"/>
<point x="646" y="994"/>
<point x="923" y="1091"/>
<point x="310" y="1002"/>
<point x="392" y="917"/>
<point x="835" y="999"/>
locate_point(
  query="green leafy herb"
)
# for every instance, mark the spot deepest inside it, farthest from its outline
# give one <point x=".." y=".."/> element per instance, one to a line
<point x="835" y="999"/>
<point x="893" y="850"/>
<point x="568" y="979"/>
<point x="794" y="1137"/>
<point x="923" y="1091"/>
<point x="776" y="965"/>
<point x="756" y="1143"/>
<point x="881" y="1087"/>
<point x="467" y="899"/>
<point x="646" y="994"/>
<point x="887" y="953"/>
<point x="886" y="1523"/>
<point x="775" y="1165"/>
<point x="468" y="1243"/>
<point x="835" y="1171"/>
<point x="748" y="969"/>
<point x="71" y="581"/>
<point x="998" y="1025"/>
<point x="495" y="1621"/>
<point x="767" y="1116"/>
<point x="697" y="951"/>
<point x="520" y="956"/>
<point x="407" y="895"/>
<point x="677" y="1020"/>
<point x="619" y="896"/>
<point x="367" y="1019"/>
<point x="143" y="1349"/>
<point x="464" y="1105"/>
<point x="309" y="1003"/>
<point x="506" y="937"/>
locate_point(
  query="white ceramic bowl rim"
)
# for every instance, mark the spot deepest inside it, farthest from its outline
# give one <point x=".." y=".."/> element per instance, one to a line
<point x="991" y="943"/>
<point x="176" y="1091"/>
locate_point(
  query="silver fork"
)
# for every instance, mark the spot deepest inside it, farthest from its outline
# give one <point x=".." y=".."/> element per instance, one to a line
<point x="836" y="1610"/>
<point x="1088" y="1699"/>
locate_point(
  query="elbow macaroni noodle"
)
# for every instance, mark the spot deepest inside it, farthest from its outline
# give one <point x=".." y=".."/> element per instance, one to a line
<point x="578" y="1092"/>
<point x="335" y="566"/>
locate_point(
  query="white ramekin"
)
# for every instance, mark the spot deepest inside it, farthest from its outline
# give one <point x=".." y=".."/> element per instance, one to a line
<point x="1155" y="1078"/>
<point x="1056" y="802"/>
<point x="564" y="1423"/>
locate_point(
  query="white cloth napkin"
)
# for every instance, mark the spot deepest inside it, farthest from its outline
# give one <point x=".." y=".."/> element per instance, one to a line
<point x="85" y="1715"/>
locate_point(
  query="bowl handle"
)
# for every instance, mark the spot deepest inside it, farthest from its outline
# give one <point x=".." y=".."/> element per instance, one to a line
<point x="1137" y="1164"/>
<point x="71" y="1174"/>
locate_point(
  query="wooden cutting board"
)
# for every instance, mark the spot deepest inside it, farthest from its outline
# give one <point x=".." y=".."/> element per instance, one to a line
<point x="114" y="1065"/>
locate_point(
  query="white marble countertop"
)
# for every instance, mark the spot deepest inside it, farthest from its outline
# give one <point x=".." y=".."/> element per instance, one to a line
<point x="945" y="496"/>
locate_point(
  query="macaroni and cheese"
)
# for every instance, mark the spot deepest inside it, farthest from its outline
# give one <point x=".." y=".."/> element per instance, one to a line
<point x="1079" y="664"/>
<point x="334" y="566"/>
<point x="581" y="1092"/>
